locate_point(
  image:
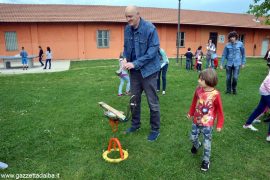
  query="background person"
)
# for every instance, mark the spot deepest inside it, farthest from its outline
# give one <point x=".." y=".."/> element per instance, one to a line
<point x="48" y="58"/>
<point x="124" y="77"/>
<point x="263" y="104"/>
<point x="40" y="55"/>
<point x="215" y="60"/>
<point x="198" y="56"/>
<point x="164" y="60"/>
<point x="267" y="56"/>
<point x="211" y="48"/>
<point x="234" y="52"/>
<point x="189" y="57"/>
<point x="24" y="55"/>
<point x="141" y="45"/>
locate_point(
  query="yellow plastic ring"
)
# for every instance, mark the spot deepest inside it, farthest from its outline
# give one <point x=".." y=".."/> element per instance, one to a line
<point x="105" y="156"/>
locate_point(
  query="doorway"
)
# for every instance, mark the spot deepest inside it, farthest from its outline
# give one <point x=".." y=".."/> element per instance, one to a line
<point x="265" y="44"/>
<point x="214" y="36"/>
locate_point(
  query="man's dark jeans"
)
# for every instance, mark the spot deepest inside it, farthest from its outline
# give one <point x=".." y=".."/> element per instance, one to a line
<point x="232" y="73"/>
<point x="148" y="85"/>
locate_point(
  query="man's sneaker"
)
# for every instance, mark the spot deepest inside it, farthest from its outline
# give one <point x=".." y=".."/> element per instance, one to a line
<point x="250" y="127"/>
<point x="3" y="165"/>
<point x="268" y="138"/>
<point x="234" y="92"/>
<point x="163" y="92"/>
<point x="131" y="130"/>
<point x="228" y="92"/>
<point x="194" y="150"/>
<point x="256" y="121"/>
<point x="153" y="135"/>
<point x="205" y="165"/>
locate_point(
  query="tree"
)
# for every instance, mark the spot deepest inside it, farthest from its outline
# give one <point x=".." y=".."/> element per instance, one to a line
<point x="261" y="9"/>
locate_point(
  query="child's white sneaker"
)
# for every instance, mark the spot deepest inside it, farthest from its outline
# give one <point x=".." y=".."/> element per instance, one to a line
<point x="256" y="121"/>
<point x="250" y="127"/>
<point x="163" y="92"/>
<point x="268" y="138"/>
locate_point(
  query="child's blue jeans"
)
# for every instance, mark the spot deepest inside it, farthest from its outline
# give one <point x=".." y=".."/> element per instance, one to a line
<point x="122" y="82"/>
<point x="188" y="64"/>
<point x="207" y="138"/>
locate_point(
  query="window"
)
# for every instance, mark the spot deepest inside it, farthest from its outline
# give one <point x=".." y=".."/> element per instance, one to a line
<point x="103" y="38"/>
<point x="182" y="39"/>
<point x="242" y="38"/>
<point x="11" y="41"/>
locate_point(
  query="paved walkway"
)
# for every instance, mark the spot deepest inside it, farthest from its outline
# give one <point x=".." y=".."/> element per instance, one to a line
<point x="16" y="68"/>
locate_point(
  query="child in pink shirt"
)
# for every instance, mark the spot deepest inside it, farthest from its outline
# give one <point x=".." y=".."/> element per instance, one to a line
<point x="264" y="102"/>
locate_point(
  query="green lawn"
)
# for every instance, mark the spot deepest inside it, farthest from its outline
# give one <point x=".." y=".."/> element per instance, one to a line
<point x="51" y="123"/>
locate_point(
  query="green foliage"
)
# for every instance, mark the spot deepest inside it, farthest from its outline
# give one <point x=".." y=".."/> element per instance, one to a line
<point x="261" y="9"/>
<point x="51" y="123"/>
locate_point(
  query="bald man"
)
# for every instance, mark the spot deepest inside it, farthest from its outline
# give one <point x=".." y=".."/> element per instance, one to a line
<point x="141" y="45"/>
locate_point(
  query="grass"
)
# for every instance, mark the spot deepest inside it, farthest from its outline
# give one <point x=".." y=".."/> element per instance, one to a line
<point x="51" y="123"/>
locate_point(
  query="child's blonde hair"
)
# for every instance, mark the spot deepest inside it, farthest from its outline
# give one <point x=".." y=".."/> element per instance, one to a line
<point x="209" y="76"/>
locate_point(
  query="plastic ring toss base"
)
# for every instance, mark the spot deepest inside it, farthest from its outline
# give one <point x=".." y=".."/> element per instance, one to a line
<point x="105" y="156"/>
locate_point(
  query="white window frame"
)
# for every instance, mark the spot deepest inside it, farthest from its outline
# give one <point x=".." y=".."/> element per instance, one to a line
<point x="182" y="39"/>
<point x="103" y="39"/>
<point x="11" y="41"/>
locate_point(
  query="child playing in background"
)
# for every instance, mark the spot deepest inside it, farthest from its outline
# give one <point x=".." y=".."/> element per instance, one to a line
<point x="199" y="63"/>
<point x="264" y="102"/>
<point x="189" y="56"/>
<point x="215" y="58"/>
<point x="206" y="106"/>
<point x="123" y="74"/>
<point x="198" y="56"/>
<point x="24" y="55"/>
<point x="164" y="63"/>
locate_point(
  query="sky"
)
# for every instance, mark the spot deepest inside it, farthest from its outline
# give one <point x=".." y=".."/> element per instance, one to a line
<point x="230" y="6"/>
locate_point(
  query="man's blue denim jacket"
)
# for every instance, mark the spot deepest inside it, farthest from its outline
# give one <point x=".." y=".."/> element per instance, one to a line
<point x="146" y="44"/>
<point x="234" y="53"/>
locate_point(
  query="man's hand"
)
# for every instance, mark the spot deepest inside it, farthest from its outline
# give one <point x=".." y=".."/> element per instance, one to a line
<point x="128" y="65"/>
<point x="218" y="129"/>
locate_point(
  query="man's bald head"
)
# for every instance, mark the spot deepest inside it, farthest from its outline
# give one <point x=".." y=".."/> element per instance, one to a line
<point x="132" y="15"/>
<point x="132" y="9"/>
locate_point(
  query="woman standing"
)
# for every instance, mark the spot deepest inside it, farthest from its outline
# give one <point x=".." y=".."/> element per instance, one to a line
<point x="211" y="48"/>
<point x="48" y="57"/>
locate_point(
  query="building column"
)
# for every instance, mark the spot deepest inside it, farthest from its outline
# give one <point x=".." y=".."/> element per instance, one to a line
<point x="34" y="39"/>
<point x="81" y="41"/>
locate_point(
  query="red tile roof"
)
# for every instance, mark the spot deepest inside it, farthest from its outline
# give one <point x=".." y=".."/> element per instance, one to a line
<point x="90" y="13"/>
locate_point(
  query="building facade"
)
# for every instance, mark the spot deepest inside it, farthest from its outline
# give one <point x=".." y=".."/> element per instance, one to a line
<point x="96" y="32"/>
